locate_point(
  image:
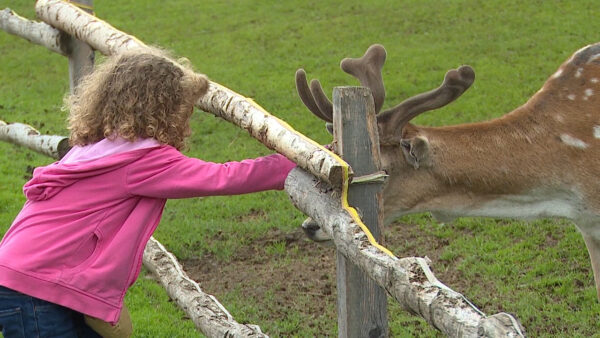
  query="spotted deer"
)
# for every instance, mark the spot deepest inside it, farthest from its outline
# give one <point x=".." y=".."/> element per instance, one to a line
<point x="540" y="160"/>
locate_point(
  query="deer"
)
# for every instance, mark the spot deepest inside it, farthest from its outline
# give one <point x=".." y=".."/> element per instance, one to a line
<point x="537" y="161"/>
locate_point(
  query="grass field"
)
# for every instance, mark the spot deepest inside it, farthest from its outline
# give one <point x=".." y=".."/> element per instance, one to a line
<point x="537" y="270"/>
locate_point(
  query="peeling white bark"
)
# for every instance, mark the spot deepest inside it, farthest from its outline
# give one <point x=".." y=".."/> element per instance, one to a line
<point x="85" y="27"/>
<point x="39" y="33"/>
<point x="408" y="280"/>
<point x="204" y="310"/>
<point x="219" y="100"/>
<point x="272" y="132"/>
<point x="27" y="136"/>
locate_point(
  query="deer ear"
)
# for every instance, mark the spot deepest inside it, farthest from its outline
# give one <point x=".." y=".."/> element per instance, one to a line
<point x="416" y="151"/>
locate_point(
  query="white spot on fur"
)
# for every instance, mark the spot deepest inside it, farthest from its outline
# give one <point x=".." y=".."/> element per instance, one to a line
<point x="559" y="118"/>
<point x="597" y="131"/>
<point x="589" y="92"/>
<point x="572" y="141"/>
<point x="571" y="97"/>
<point x="578" y="72"/>
<point x="557" y="74"/>
<point x="594" y="80"/>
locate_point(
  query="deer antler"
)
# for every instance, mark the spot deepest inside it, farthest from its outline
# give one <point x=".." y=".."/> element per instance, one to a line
<point x="391" y="122"/>
<point x="367" y="69"/>
<point x="314" y="98"/>
<point x="325" y="106"/>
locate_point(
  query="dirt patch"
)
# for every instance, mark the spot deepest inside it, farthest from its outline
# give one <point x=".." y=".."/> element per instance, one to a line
<point x="285" y="273"/>
<point x="280" y="273"/>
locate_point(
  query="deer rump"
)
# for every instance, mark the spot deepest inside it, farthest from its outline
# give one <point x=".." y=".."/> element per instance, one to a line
<point x="536" y="161"/>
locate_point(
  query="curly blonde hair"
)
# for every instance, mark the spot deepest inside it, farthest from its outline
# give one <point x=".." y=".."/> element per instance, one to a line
<point x="137" y="94"/>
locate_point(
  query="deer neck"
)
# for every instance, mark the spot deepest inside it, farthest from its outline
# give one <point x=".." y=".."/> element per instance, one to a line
<point x="502" y="155"/>
<point x="522" y="165"/>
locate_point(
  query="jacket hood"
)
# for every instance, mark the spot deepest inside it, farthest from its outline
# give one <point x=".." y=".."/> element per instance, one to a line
<point x="49" y="180"/>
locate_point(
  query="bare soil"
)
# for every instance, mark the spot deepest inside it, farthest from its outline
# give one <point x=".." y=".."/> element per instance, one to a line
<point x="302" y="278"/>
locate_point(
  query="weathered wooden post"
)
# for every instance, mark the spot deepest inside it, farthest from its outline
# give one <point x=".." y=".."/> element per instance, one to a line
<point x="81" y="55"/>
<point x="362" y="304"/>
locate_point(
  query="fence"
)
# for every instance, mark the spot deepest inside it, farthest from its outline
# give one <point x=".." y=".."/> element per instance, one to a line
<point x="408" y="280"/>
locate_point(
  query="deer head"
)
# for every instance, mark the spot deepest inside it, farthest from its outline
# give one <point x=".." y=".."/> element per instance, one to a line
<point x="402" y="149"/>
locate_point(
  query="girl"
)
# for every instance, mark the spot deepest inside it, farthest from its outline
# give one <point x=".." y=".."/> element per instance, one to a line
<point x="77" y="244"/>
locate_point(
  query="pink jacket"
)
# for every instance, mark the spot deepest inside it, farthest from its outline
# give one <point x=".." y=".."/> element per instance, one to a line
<point x="80" y="237"/>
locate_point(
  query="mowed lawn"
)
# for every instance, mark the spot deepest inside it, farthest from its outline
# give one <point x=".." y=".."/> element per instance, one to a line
<point x="537" y="270"/>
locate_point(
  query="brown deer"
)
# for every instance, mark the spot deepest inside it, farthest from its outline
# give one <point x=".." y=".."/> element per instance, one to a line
<point x="537" y="161"/>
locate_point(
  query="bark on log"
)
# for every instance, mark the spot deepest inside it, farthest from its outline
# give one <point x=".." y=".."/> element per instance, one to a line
<point x="272" y="132"/>
<point x="38" y="33"/>
<point x="206" y="312"/>
<point x="85" y="27"/>
<point x="219" y="100"/>
<point x="27" y="136"/>
<point x="408" y="280"/>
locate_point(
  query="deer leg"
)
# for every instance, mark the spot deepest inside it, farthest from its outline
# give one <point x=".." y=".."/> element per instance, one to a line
<point x="593" y="246"/>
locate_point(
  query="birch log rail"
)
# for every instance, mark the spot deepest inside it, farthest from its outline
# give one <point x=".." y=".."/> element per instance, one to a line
<point x="39" y="33"/>
<point x="27" y="136"/>
<point x="204" y="310"/>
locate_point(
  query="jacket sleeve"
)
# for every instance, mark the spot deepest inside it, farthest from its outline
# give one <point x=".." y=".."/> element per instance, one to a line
<point x="166" y="173"/>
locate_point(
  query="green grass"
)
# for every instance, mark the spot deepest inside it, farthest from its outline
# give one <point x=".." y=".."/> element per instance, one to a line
<point x="254" y="47"/>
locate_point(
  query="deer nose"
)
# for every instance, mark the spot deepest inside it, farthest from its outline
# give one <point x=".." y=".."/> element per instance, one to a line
<point x="313" y="231"/>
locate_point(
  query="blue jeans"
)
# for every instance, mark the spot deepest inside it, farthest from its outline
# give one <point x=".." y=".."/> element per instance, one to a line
<point x="22" y="316"/>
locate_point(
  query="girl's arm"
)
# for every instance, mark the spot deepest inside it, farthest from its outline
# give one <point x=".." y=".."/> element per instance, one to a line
<point x="166" y="173"/>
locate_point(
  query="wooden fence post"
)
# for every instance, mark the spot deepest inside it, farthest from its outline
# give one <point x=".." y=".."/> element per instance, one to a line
<point x="81" y="55"/>
<point x="362" y="304"/>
